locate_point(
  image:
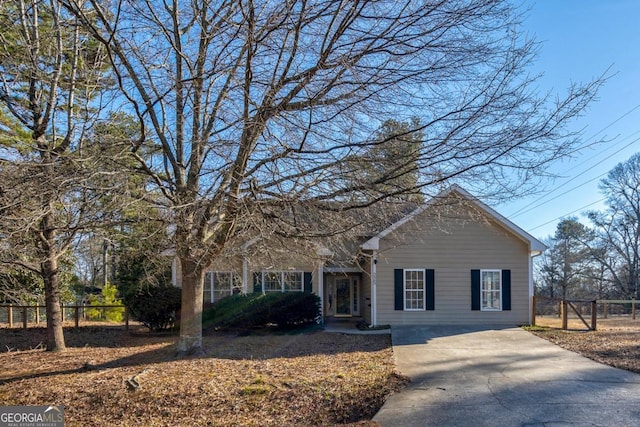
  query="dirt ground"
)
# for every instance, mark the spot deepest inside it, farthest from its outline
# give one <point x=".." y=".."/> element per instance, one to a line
<point x="615" y="342"/>
<point x="109" y="377"/>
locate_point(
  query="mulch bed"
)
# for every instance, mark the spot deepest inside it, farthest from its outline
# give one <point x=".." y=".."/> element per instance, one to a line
<point x="109" y="377"/>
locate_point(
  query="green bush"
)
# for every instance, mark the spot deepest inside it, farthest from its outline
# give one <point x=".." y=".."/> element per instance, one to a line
<point x="295" y="308"/>
<point x="155" y="307"/>
<point x="108" y="297"/>
<point x="284" y="310"/>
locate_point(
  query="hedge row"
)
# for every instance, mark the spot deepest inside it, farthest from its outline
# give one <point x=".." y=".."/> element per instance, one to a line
<point x="284" y="310"/>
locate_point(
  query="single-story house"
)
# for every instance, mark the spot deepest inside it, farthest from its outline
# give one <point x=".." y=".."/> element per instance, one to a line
<point x="452" y="260"/>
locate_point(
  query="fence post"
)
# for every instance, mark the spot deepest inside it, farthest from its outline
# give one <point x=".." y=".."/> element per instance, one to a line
<point x="594" y="314"/>
<point x="126" y="318"/>
<point x="10" y="315"/>
<point x="563" y="310"/>
<point x="76" y="316"/>
<point x="37" y="314"/>
<point x="606" y="310"/>
<point x="633" y="308"/>
<point x="24" y="317"/>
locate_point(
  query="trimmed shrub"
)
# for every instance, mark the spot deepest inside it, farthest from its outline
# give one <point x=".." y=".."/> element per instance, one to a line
<point x="295" y="308"/>
<point x="284" y="310"/>
<point x="155" y="307"/>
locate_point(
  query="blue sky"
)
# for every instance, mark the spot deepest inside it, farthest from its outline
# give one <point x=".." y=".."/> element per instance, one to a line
<point x="581" y="39"/>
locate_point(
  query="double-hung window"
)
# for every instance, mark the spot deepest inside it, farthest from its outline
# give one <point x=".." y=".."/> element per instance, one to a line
<point x="281" y="281"/>
<point x="414" y="289"/>
<point x="272" y="281"/>
<point x="220" y="284"/>
<point x="292" y="281"/>
<point x="491" y="290"/>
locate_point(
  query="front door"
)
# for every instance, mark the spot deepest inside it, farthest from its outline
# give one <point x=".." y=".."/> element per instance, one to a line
<point x="343" y="297"/>
<point x="347" y="296"/>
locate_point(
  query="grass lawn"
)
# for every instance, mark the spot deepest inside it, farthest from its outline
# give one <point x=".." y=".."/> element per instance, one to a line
<point x="312" y="378"/>
<point x="616" y="342"/>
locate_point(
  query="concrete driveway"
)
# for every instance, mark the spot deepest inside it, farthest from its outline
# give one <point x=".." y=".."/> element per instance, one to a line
<point x="466" y="376"/>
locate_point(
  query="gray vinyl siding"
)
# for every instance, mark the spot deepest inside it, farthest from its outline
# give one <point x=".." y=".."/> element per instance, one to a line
<point x="453" y="248"/>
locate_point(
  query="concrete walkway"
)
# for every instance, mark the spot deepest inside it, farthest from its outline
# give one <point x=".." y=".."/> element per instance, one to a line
<point x="466" y="376"/>
<point x="350" y="326"/>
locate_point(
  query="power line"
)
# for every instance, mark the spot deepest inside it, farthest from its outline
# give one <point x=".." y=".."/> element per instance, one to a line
<point x="606" y="149"/>
<point x="627" y="113"/>
<point x="566" y="192"/>
<point x="524" y="208"/>
<point x="567" y="214"/>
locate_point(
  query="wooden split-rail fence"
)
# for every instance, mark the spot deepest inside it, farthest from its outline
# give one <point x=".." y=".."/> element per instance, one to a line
<point x="26" y="314"/>
<point x="575" y="305"/>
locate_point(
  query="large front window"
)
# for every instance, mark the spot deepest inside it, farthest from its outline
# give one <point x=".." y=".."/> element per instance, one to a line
<point x="414" y="289"/>
<point x="220" y="284"/>
<point x="281" y="281"/>
<point x="491" y="287"/>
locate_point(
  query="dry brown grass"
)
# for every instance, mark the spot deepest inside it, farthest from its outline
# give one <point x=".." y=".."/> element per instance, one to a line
<point x="315" y="378"/>
<point x="616" y="342"/>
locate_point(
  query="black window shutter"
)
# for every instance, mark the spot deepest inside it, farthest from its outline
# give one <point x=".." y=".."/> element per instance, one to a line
<point x="475" y="289"/>
<point x="257" y="282"/>
<point x="398" y="274"/>
<point x="506" y="289"/>
<point x="308" y="285"/>
<point x="431" y="290"/>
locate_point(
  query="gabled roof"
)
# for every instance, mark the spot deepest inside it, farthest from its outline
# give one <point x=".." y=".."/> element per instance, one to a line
<point x="535" y="246"/>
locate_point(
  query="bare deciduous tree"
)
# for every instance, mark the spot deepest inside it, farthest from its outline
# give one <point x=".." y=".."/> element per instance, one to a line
<point x="258" y="108"/>
<point x="617" y="243"/>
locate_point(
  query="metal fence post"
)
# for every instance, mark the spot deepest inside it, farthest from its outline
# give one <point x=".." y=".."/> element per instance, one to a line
<point x="594" y="315"/>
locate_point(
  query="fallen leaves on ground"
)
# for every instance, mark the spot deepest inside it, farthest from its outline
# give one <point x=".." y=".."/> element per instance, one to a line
<point x="110" y="377"/>
<point x="616" y="342"/>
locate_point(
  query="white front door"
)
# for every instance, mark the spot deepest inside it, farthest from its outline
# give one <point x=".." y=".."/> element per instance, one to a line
<point x="343" y="297"/>
<point x="347" y="296"/>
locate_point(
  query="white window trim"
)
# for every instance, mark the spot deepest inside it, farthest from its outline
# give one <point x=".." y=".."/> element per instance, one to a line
<point x="424" y="289"/>
<point x="282" y="279"/>
<point x="212" y="274"/>
<point x="482" y="291"/>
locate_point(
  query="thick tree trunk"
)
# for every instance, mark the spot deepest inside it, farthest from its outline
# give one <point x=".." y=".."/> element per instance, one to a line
<point x="49" y="269"/>
<point x="191" y="312"/>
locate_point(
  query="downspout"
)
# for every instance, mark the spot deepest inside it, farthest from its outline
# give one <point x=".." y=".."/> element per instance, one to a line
<point x="374" y="288"/>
